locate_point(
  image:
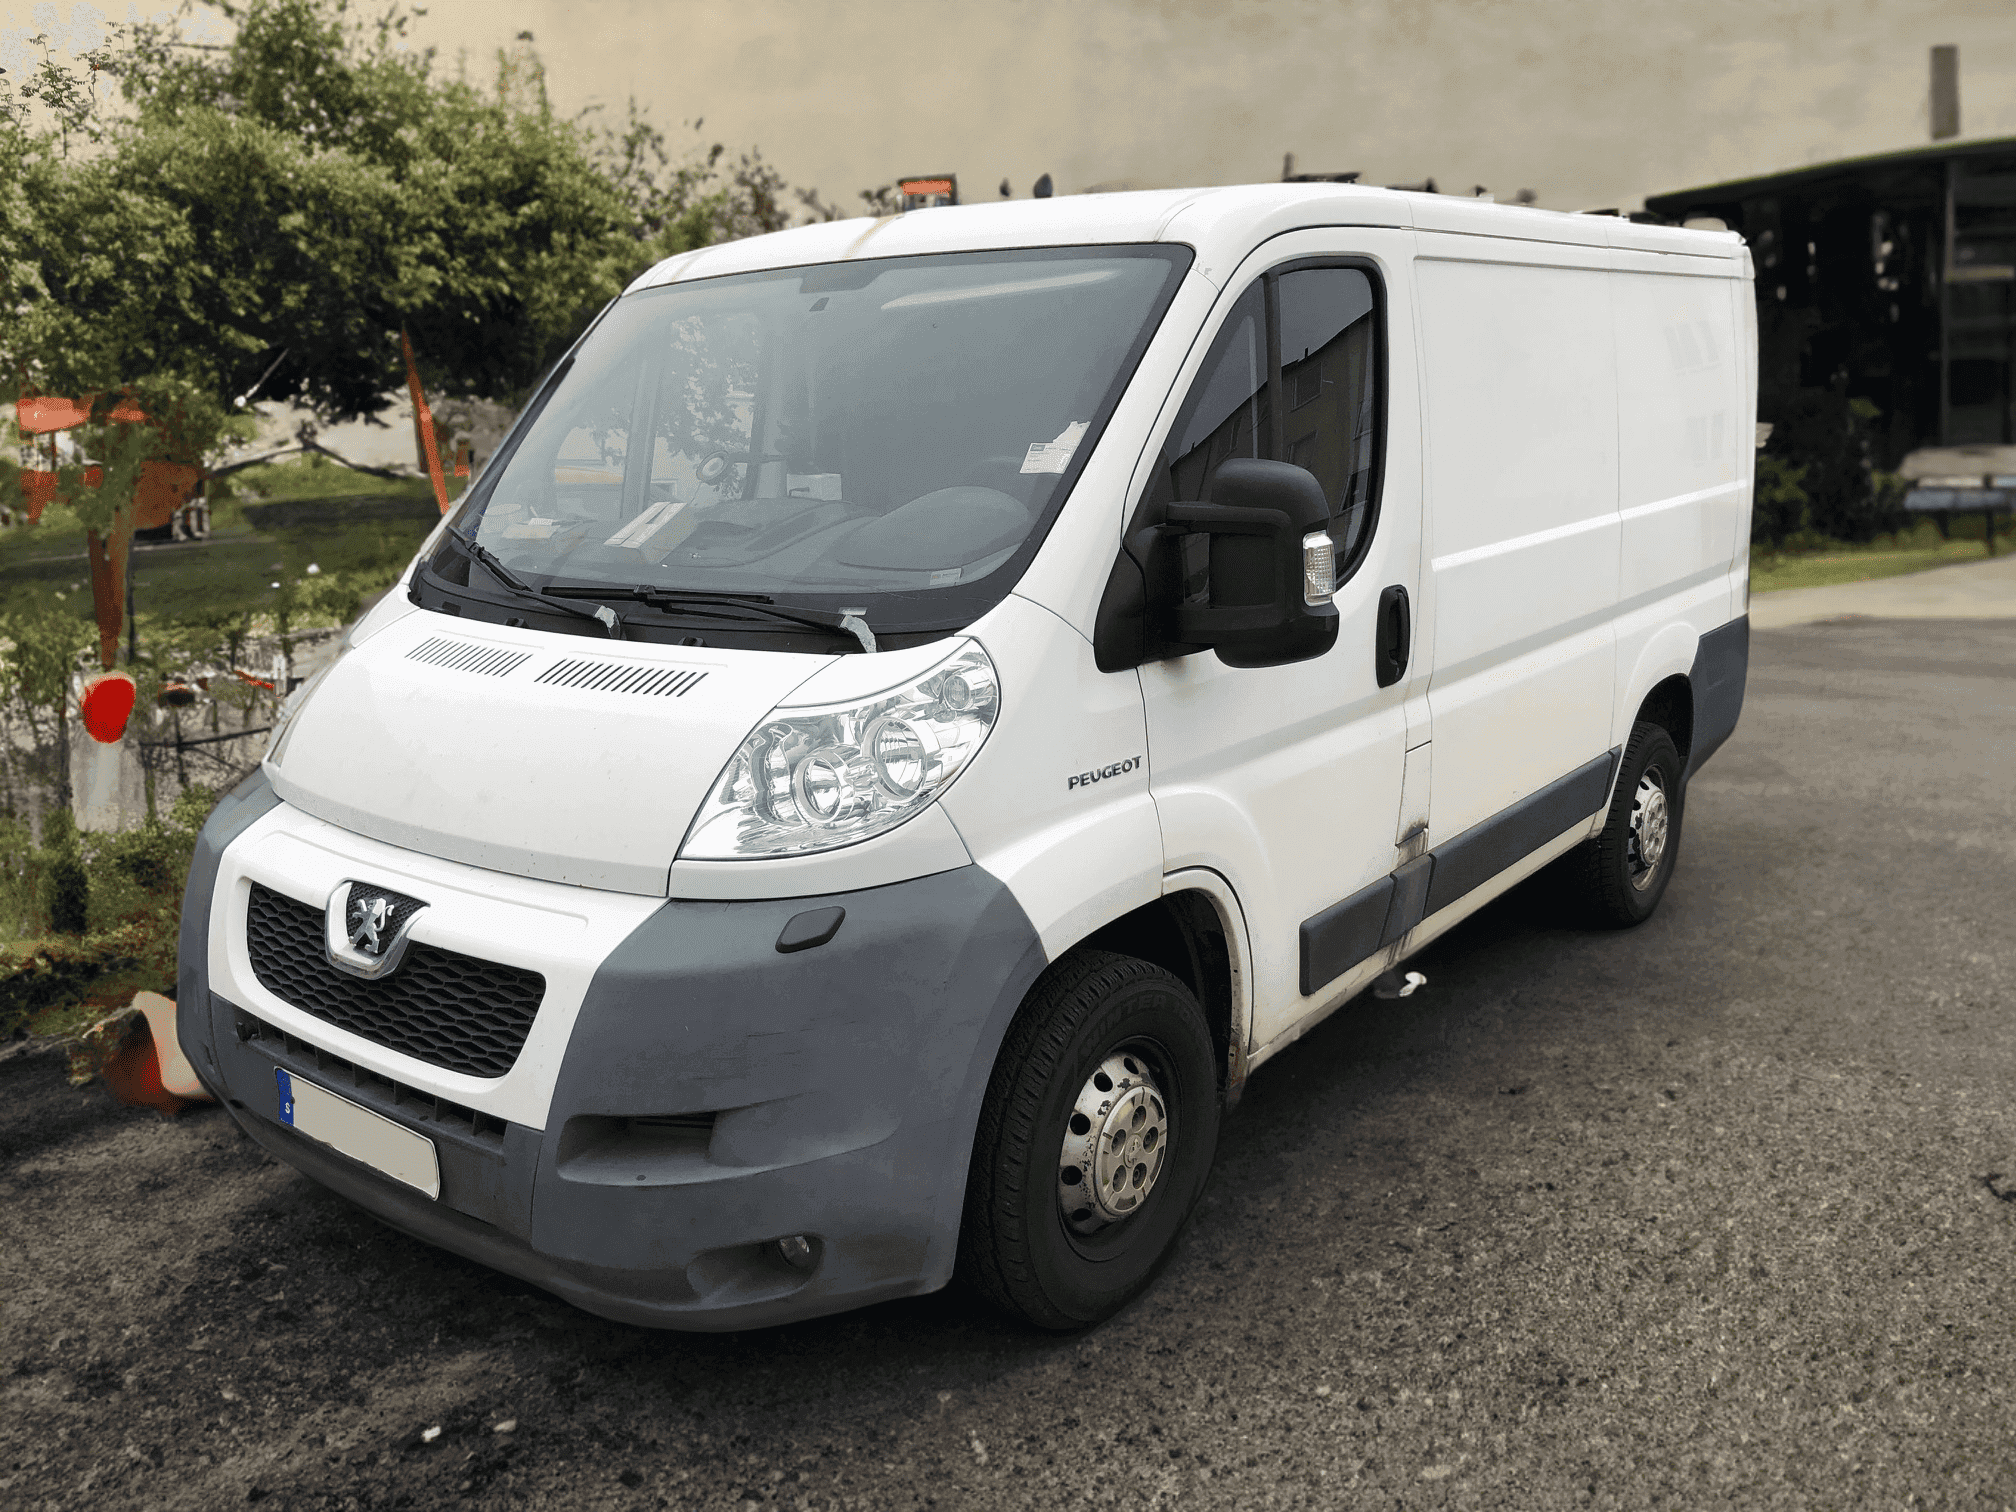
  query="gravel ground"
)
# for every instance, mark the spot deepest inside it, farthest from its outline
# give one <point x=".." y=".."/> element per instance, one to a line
<point x="1718" y="1211"/>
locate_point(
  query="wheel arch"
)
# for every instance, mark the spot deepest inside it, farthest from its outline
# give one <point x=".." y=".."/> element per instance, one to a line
<point x="1196" y="931"/>
<point x="1660" y="689"/>
<point x="1670" y="705"/>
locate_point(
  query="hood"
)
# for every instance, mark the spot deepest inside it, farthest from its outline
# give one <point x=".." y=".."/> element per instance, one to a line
<point x="550" y="756"/>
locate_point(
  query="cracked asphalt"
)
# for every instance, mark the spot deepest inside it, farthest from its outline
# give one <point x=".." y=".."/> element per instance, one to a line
<point x="1717" y="1211"/>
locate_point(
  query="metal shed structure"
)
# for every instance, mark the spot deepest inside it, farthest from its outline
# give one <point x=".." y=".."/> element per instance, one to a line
<point x="1894" y="275"/>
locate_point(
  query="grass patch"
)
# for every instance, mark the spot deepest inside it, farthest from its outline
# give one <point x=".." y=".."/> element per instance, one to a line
<point x="1828" y="569"/>
<point x="276" y="521"/>
<point x="1827" y="564"/>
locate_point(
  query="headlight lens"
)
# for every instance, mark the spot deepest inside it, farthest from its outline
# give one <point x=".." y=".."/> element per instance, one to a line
<point x="812" y="779"/>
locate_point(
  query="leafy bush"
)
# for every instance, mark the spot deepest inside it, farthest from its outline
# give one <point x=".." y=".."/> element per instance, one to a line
<point x="20" y="881"/>
<point x="1780" y="502"/>
<point x="132" y="882"/>
<point x="1824" y="436"/>
<point x="66" y="893"/>
<point x="66" y="889"/>
<point x="39" y="975"/>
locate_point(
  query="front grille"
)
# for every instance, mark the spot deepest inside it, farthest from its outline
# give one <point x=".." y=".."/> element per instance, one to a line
<point x="442" y="1007"/>
<point x="381" y="1093"/>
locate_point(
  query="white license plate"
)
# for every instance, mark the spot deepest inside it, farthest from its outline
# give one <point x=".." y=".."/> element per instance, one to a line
<point x="359" y="1133"/>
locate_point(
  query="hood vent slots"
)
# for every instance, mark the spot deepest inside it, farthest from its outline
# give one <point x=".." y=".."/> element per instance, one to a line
<point x="622" y="677"/>
<point x="467" y="656"/>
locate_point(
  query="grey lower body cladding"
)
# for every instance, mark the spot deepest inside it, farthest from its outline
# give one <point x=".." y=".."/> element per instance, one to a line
<point x="1341" y="936"/>
<point x="717" y="1095"/>
<point x="1372" y="918"/>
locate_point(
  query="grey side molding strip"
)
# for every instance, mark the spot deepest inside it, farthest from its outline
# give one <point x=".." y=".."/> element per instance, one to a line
<point x="1509" y="836"/>
<point x="1372" y="918"/>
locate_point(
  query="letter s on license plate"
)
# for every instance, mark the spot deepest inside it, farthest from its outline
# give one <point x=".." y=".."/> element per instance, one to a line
<point x="359" y="1133"/>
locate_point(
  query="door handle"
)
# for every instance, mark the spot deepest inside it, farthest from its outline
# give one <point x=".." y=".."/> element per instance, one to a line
<point x="1395" y="636"/>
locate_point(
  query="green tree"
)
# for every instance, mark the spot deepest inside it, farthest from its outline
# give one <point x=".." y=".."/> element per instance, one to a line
<point x="338" y="188"/>
<point x="316" y="186"/>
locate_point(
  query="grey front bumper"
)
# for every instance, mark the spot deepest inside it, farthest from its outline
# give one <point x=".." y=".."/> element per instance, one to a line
<point x="716" y="1096"/>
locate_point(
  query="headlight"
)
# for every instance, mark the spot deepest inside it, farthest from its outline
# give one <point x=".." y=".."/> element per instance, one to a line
<point x="813" y="779"/>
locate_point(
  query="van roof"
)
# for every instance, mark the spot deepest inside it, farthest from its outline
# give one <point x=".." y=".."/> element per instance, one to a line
<point x="1222" y="224"/>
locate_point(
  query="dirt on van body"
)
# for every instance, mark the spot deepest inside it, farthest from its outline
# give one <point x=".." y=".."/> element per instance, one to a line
<point x="1717" y="1211"/>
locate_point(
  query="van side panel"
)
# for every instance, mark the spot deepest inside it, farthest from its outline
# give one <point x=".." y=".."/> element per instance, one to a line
<point x="1521" y="441"/>
<point x="1680" y="426"/>
<point x="1684" y="434"/>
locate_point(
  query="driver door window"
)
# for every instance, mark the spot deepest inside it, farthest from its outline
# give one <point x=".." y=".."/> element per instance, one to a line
<point x="1294" y="377"/>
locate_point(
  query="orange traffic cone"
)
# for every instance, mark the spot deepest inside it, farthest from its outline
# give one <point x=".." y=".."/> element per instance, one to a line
<point x="135" y="1050"/>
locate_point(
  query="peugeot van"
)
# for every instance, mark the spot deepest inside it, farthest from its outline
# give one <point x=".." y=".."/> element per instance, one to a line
<point x="918" y="709"/>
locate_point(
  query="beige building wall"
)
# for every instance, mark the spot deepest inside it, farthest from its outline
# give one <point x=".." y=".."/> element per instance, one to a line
<point x="1589" y="102"/>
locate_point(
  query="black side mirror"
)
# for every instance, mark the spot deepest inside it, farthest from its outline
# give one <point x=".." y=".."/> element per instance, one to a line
<point x="1262" y="597"/>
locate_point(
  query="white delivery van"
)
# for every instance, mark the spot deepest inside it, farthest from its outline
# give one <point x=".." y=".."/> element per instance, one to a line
<point x="918" y="709"/>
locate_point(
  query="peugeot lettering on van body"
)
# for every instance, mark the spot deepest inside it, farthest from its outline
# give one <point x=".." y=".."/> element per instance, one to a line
<point x="667" y="896"/>
<point x="1117" y="769"/>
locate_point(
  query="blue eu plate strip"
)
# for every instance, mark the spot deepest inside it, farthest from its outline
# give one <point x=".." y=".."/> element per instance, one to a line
<point x="286" y="1096"/>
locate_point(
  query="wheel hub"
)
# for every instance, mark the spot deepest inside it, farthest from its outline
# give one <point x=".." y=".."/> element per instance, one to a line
<point x="1649" y="820"/>
<point x="1114" y="1144"/>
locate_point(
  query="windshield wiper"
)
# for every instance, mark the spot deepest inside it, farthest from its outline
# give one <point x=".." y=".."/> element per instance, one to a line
<point x="602" y="614"/>
<point x="683" y="601"/>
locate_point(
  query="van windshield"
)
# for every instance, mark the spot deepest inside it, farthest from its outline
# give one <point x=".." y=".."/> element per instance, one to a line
<point x="890" y="436"/>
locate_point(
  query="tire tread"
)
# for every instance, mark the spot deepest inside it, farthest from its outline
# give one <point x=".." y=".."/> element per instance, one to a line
<point x="1601" y="893"/>
<point x="994" y="1244"/>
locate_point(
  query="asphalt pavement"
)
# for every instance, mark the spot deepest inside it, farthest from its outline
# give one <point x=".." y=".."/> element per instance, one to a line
<point x="1718" y="1211"/>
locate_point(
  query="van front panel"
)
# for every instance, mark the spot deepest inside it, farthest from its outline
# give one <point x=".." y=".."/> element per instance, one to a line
<point x="688" y="1093"/>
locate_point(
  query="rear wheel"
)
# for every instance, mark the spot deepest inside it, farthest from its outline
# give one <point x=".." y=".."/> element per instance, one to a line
<point x="1094" y="1143"/>
<point x="1621" y="875"/>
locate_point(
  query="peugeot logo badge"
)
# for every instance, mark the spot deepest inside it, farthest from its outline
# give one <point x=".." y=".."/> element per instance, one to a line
<point x="368" y="927"/>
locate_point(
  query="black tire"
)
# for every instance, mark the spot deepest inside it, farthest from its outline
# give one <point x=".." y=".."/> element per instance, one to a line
<point x="1613" y="885"/>
<point x="1017" y="1246"/>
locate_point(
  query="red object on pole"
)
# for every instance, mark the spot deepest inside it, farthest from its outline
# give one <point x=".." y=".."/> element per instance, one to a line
<point x="424" y="419"/>
<point x="106" y="705"/>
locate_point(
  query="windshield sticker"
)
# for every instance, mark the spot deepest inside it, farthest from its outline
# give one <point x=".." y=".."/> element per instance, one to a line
<point x="824" y="487"/>
<point x="647" y="524"/>
<point x="945" y="578"/>
<point x="1055" y="456"/>
<point x="534" y="529"/>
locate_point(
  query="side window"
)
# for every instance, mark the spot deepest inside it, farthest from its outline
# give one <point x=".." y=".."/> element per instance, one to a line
<point x="1328" y="383"/>
<point x="1294" y="376"/>
<point x="1227" y="413"/>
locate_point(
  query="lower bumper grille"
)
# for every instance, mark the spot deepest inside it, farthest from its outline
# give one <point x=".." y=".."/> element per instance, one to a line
<point x="380" y="1093"/>
<point x="442" y="1007"/>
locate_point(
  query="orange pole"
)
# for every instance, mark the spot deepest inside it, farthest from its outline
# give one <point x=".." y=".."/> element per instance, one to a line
<point x="108" y="555"/>
<point x="424" y="418"/>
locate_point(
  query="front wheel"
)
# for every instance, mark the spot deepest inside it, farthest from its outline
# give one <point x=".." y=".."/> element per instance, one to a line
<point x="1622" y="873"/>
<point x="1097" y="1134"/>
